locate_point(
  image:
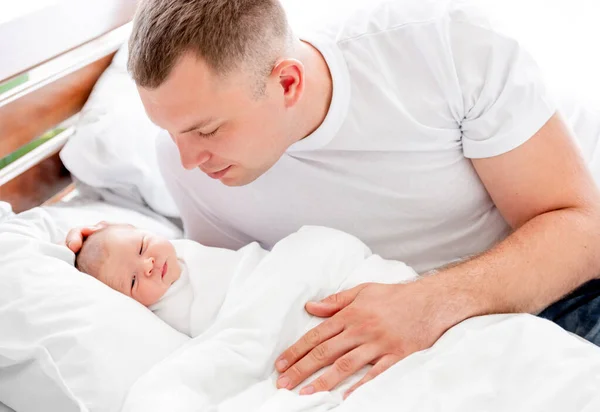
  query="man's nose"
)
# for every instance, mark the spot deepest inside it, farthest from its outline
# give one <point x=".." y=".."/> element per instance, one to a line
<point x="148" y="266"/>
<point x="191" y="161"/>
<point x="191" y="155"/>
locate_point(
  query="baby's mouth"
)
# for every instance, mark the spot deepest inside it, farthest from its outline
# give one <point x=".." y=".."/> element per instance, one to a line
<point x="164" y="271"/>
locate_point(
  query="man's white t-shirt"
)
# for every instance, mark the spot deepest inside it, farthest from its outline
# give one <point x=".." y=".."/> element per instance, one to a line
<point x="419" y="88"/>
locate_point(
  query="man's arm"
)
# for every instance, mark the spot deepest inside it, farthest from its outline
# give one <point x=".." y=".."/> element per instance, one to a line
<point x="545" y="192"/>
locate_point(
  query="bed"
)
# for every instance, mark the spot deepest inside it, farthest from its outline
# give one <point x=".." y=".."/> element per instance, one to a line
<point x="68" y="343"/>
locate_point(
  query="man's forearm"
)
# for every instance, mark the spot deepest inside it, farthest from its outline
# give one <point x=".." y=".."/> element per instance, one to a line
<point x="536" y="265"/>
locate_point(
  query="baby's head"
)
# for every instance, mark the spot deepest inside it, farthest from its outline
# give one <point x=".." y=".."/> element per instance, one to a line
<point x="134" y="262"/>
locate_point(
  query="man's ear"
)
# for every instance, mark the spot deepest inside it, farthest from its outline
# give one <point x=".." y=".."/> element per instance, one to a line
<point x="290" y="74"/>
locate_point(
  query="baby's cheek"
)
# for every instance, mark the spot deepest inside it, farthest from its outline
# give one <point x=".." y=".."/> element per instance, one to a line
<point x="153" y="294"/>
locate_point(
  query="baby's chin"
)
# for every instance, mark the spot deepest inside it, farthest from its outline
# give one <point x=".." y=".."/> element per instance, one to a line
<point x="155" y="300"/>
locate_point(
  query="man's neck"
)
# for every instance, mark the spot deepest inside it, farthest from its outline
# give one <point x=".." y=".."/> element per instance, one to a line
<point x="315" y="103"/>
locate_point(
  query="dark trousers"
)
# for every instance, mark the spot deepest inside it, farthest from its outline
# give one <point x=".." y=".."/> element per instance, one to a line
<point x="579" y="312"/>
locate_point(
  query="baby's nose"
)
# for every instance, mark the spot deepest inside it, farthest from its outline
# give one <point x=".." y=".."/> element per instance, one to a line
<point x="148" y="266"/>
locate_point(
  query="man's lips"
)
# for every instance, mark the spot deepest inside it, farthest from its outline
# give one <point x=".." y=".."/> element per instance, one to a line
<point x="218" y="174"/>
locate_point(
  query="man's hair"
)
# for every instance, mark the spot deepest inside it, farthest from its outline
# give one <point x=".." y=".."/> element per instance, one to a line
<point x="226" y="34"/>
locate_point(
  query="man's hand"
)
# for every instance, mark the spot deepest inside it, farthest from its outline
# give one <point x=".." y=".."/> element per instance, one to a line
<point x="370" y="324"/>
<point x="76" y="236"/>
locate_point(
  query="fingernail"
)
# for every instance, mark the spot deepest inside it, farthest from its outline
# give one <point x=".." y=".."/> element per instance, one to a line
<point x="283" y="382"/>
<point x="309" y="390"/>
<point x="281" y="364"/>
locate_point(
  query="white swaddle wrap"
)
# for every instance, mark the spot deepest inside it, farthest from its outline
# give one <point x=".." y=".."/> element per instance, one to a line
<point x="191" y="304"/>
<point x="255" y="300"/>
<point x="175" y="305"/>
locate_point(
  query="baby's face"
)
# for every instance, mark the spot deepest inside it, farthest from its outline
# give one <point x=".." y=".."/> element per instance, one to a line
<point x="139" y="264"/>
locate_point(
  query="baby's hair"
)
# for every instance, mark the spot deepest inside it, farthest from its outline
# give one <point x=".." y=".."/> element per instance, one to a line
<point x="92" y="253"/>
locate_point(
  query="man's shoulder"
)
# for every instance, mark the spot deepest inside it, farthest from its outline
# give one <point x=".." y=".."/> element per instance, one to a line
<point x="350" y="19"/>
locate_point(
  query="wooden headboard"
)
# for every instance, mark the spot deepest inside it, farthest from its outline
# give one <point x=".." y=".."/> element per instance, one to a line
<point x="53" y="59"/>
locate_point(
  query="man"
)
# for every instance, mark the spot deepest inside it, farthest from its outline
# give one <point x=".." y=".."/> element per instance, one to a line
<point x="409" y="124"/>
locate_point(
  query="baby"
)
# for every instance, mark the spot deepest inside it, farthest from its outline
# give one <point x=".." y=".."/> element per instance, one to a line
<point x="243" y="307"/>
<point x="136" y="263"/>
<point x="155" y="272"/>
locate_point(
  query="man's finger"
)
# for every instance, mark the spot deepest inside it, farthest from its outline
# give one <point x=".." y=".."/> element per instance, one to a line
<point x="88" y="230"/>
<point x="323" y="355"/>
<point x="334" y="303"/>
<point x="342" y="369"/>
<point x="75" y="237"/>
<point x="308" y="342"/>
<point x="384" y="364"/>
<point x="74" y="240"/>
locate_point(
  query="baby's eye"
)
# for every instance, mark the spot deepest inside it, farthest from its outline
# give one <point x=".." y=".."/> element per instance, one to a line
<point x="207" y="135"/>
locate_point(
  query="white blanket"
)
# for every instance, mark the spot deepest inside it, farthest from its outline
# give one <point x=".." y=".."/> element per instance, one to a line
<point x="495" y="363"/>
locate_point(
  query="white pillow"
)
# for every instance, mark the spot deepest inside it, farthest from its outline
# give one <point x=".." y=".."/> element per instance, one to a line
<point x="81" y="211"/>
<point x="114" y="143"/>
<point x="67" y="341"/>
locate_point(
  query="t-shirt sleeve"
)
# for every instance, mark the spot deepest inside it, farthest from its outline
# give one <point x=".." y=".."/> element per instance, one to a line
<point x="504" y="97"/>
